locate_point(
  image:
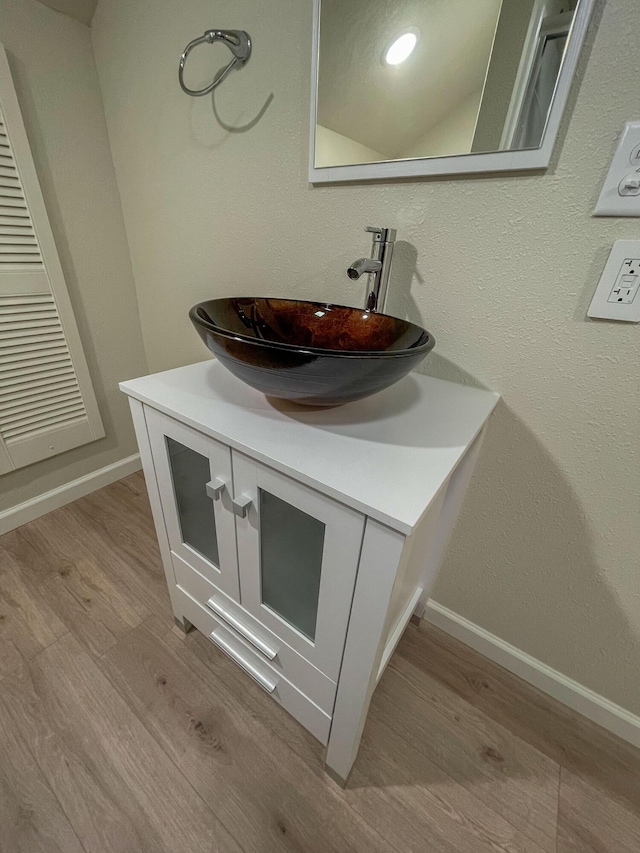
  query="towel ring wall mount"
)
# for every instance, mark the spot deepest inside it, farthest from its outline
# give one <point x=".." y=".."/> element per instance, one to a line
<point x="238" y="42"/>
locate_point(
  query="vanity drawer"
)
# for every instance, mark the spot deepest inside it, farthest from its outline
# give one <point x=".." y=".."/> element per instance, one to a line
<point x="271" y="678"/>
<point x="271" y="649"/>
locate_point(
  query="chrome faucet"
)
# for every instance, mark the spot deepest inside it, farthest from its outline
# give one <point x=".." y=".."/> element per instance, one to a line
<point x="377" y="267"/>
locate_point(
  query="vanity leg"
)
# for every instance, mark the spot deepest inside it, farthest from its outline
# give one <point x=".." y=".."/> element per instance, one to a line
<point x="337" y="779"/>
<point x="379" y="562"/>
<point x="182" y="623"/>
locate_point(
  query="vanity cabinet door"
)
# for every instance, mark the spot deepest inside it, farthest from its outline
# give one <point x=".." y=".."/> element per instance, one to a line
<point x="298" y="553"/>
<point x="196" y="488"/>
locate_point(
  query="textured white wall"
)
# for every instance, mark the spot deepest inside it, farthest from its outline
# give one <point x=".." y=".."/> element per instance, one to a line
<point x="500" y="269"/>
<point x="54" y="73"/>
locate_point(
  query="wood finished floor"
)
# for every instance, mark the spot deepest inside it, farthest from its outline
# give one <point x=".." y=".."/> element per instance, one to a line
<point x="117" y="733"/>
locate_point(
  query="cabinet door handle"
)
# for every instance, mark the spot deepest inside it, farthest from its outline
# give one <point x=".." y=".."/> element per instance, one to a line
<point x="215" y="488"/>
<point x="267" y="682"/>
<point x="231" y="619"/>
<point x="241" y="505"/>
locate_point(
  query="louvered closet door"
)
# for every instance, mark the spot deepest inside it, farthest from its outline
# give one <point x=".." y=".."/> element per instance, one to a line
<point x="47" y="404"/>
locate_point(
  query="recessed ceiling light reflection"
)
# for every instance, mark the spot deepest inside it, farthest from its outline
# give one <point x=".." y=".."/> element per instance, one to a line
<point x="401" y="48"/>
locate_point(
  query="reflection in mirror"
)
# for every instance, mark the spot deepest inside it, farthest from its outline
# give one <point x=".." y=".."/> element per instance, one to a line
<point x="436" y="78"/>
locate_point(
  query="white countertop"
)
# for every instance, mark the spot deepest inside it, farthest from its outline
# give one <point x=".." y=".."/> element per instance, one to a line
<point x="387" y="455"/>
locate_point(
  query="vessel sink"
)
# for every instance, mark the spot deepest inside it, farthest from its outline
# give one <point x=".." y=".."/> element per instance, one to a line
<point x="311" y="352"/>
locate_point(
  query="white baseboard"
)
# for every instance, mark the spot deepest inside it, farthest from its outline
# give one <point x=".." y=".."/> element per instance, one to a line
<point x="22" y="513"/>
<point x="586" y="702"/>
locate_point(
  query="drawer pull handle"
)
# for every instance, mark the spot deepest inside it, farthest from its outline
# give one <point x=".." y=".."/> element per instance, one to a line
<point x="267" y="683"/>
<point x="245" y="632"/>
<point x="215" y="488"/>
<point x="241" y="505"/>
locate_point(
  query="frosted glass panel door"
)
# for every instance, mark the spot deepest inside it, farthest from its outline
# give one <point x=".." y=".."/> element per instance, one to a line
<point x="298" y="554"/>
<point x="194" y="478"/>
<point x="291" y="546"/>
<point x="190" y="474"/>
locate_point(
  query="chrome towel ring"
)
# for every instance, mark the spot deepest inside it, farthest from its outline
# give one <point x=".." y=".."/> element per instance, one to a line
<point x="238" y="42"/>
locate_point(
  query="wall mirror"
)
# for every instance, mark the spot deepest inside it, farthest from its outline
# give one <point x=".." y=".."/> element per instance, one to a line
<point x="404" y="88"/>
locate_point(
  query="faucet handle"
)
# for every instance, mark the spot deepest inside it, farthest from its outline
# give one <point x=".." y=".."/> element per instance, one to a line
<point x="382" y="235"/>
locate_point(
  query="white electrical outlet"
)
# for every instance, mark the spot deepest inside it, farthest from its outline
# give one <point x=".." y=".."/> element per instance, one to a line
<point x="626" y="287"/>
<point x="617" y="296"/>
<point x="620" y="195"/>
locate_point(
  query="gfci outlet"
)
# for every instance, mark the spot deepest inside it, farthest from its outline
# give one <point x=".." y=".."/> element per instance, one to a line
<point x="617" y="296"/>
<point x="626" y="286"/>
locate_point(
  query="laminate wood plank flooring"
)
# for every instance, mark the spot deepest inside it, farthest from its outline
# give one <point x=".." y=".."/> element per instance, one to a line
<point x="31" y="817"/>
<point x="553" y="729"/>
<point x="118" y="733"/>
<point x="397" y="786"/>
<point x="507" y="774"/>
<point x="406" y="798"/>
<point x="27" y="623"/>
<point x="74" y="586"/>
<point x="257" y="785"/>
<point x="118" y="788"/>
<point x="592" y="822"/>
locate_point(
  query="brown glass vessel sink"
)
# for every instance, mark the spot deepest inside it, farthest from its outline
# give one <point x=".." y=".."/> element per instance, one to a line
<point x="311" y="352"/>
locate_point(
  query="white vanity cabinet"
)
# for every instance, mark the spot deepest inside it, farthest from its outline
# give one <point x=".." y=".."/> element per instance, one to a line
<point x="302" y="541"/>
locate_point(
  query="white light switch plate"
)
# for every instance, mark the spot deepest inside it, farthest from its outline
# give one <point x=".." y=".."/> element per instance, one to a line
<point x="617" y="295"/>
<point x="620" y="195"/>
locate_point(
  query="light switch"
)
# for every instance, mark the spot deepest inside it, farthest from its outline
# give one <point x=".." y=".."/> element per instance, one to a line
<point x="620" y="195"/>
<point x="617" y="296"/>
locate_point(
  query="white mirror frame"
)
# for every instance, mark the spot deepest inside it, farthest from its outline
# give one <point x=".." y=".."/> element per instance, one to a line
<point x="498" y="161"/>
